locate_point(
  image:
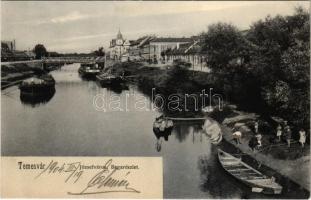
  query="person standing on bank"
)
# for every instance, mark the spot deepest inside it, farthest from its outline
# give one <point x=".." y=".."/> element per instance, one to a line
<point x="258" y="137"/>
<point x="288" y="134"/>
<point x="279" y="132"/>
<point x="302" y="137"/>
<point x="237" y="136"/>
<point x="256" y="125"/>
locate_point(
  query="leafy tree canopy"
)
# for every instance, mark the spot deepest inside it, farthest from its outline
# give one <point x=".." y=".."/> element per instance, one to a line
<point x="40" y="51"/>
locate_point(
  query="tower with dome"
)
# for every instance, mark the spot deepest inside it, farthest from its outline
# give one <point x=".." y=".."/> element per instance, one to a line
<point x="118" y="46"/>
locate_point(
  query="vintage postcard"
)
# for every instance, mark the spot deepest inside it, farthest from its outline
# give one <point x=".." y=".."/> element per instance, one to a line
<point x="155" y="99"/>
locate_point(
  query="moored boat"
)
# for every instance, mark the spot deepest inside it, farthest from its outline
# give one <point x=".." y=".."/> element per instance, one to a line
<point x="163" y="124"/>
<point x="89" y="70"/>
<point x="248" y="175"/>
<point x="106" y="79"/>
<point x="36" y="98"/>
<point x="38" y="85"/>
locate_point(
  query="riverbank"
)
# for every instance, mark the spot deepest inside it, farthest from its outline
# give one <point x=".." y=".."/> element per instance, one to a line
<point x="277" y="156"/>
<point x="162" y="81"/>
<point x="12" y="74"/>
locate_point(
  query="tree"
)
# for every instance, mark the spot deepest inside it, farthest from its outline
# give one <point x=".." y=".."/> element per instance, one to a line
<point x="272" y="72"/>
<point x="227" y="53"/>
<point x="281" y="64"/>
<point x="223" y="45"/>
<point x="40" y="51"/>
<point x="100" y="52"/>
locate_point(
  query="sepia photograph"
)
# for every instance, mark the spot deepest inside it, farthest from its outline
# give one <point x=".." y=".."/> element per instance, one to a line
<point x="155" y="99"/>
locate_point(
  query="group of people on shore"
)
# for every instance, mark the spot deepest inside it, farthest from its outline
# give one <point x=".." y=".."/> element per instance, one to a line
<point x="281" y="132"/>
<point x="287" y="133"/>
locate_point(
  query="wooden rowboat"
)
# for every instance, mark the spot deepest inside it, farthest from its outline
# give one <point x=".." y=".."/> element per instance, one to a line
<point x="248" y="175"/>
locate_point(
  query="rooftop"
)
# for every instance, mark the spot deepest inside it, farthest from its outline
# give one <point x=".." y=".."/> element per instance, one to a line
<point x="185" y="49"/>
<point x="142" y="41"/>
<point x="169" y="39"/>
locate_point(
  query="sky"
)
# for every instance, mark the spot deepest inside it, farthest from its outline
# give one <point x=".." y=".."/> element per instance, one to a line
<point x="82" y="26"/>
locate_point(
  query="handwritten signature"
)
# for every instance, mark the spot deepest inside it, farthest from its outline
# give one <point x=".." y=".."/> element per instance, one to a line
<point x="72" y="169"/>
<point x="105" y="181"/>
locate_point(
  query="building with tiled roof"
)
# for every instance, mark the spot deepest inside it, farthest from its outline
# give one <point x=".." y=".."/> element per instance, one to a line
<point x="160" y="45"/>
<point x="173" y="40"/>
<point x="189" y="52"/>
<point x="140" y="48"/>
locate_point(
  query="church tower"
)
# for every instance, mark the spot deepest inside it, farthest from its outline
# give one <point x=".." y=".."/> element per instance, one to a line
<point x="119" y="38"/>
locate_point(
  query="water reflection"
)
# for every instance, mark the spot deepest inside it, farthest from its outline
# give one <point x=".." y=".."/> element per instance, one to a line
<point x="118" y="89"/>
<point x="87" y="78"/>
<point x="214" y="180"/>
<point x="34" y="100"/>
<point x="183" y="129"/>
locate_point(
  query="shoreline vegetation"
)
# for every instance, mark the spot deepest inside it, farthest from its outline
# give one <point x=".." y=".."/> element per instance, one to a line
<point x="274" y="155"/>
<point x="13" y="74"/>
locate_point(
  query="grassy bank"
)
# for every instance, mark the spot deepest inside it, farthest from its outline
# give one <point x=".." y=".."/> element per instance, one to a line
<point x="280" y="158"/>
<point x="274" y="154"/>
<point x="171" y="80"/>
<point x="178" y="80"/>
<point x="12" y="74"/>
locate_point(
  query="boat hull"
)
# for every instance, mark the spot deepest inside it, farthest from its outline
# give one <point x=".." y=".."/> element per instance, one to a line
<point x="37" y="89"/>
<point x="45" y="85"/>
<point x="36" y="98"/>
<point x="248" y="175"/>
<point x="110" y="81"/>
<point x="88" y="74"/>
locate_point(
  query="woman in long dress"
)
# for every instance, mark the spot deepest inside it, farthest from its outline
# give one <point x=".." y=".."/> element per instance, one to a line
<point x="302" y="137"/>
<point x="279" y="132"/>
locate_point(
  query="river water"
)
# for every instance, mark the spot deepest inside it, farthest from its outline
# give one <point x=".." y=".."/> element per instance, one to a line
<point x="68" y="124"/>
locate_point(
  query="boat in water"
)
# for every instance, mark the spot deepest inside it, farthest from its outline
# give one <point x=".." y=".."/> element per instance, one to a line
<point x="256" y="180"/>
<point x="106" y="79"/>
<point x="39" y="85"/>
<point x="89" y="70"/>
<point x="36" y="99"/>
<point x="162" y="124"/>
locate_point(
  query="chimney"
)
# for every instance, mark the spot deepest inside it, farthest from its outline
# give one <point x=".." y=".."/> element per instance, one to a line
<point x="14" y="47"/>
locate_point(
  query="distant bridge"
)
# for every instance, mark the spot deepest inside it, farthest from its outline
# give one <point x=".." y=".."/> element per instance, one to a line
<point x="100" y="59"/>
<point x="61" y="60"/>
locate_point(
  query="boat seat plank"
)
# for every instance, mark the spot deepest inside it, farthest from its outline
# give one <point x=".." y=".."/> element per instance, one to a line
<point x="247" y="174"/>
<point x="252" y="178"/>
<point x="240" y="169"/>
<point x="236" y="167"/>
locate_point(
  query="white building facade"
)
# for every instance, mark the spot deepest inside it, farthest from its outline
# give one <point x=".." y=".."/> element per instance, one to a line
<point x="160" y="45"/>
<point x="118" y="47"/>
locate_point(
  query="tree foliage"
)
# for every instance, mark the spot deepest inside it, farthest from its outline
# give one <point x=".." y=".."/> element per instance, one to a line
<point x="223" y="44"/>
<point x="267" y="66"/>
<point x="40" y="51"/>
<point x="100" y="52"/>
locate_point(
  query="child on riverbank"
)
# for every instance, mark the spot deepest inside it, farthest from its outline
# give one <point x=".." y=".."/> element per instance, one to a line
<point x="237" y="136"/>
<point x="256" y="126"/>
<point x="279" y="132"/>
<point x="302" y="137"/>
<point x="253" y="142"/>
<point x="258" y="137"/>
<point x="288" y="135"/>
